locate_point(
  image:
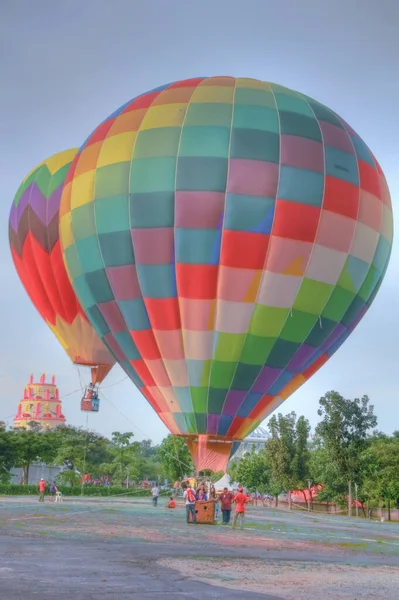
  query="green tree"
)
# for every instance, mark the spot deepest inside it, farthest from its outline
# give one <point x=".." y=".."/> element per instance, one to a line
<point x="175" y="458"/>
<point x="7" y="453"/>
<point x="301" y="464"/>
<point x="326" y="473"/>
<point x="30" y="445"/>
<point x="147" y="450"/>
<point x="232" y="469"/>
<point x="288" y="452"/>
<point x="253" y="471"/>
<point x="81" y="451"/>
<point x="150" y="465"/>
<point x="382" y="478"/>
<point x="125" y="461"/>
<point x="152" y="469"/>
<point x="345" y="433"/>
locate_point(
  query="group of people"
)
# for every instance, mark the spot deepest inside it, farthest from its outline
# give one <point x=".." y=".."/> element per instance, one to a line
<point x="43" y="487"/>
<point x="225" y="499"/>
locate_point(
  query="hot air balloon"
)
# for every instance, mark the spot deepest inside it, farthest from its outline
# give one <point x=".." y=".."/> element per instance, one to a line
<point x="36" y="252"/>
<point x="224" y="237"/>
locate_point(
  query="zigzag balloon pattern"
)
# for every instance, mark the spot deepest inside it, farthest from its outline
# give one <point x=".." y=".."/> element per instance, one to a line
<point x="36" y="252"/>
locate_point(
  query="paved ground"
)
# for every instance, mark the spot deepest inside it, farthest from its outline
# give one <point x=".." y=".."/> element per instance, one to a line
<point x="118" y="548"/>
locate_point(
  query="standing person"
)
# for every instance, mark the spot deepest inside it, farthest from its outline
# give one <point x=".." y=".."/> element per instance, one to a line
<point x="53" y="491"/>
<point x="189" y="495"/>
<point x="176" y="487"/>
<point x="42" y="489"/>
<point x="155" y="494"/>
<point x="240" y="501"/>
<point x="226" y="499"/>
<point x="215" y="498"/>
<point x="205" y="491"/>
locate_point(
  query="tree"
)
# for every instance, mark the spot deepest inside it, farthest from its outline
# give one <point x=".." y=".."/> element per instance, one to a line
<point x="325" y="473"/>
<point x="123" y="450"/>
<point x="253" y="471"/>
<point x="81" y="451"/>
<point x="382" y="478"/>
<point x="147" y="450"/>
<point x="301" y="461"/>
<point x="125" y="461"/>
<point x="175" y="458"/>
<point x="288" y="452"/>
<point x="30" y="446"/>
<point x="345" y="433"/>
<point x="7" y="453"/>
<point x="232" y="469"/>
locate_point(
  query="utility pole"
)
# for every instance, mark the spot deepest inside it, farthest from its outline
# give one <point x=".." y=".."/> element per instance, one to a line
<point x="310" y="493"/>
<point x="357" y="508"/>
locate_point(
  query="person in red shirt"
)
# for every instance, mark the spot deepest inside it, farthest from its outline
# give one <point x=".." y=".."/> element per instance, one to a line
<point x="171" y="503"/>
<point x="189" y="496"/>
<point x="240" y="501"/>
<point x="42" y="489"/>
<point x="226" y="499"/>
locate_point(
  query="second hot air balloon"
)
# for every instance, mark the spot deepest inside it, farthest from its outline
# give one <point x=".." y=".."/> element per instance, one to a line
<point x="36" y="252"/>
<point x="224" y="237"/>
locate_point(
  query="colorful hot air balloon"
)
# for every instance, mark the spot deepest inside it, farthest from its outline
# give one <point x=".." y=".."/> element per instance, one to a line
<point x="224" y="237"/>
<point x="36" y="252"/>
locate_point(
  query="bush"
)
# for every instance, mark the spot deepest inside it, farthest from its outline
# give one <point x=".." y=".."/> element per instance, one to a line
<point x="14" y="489"/>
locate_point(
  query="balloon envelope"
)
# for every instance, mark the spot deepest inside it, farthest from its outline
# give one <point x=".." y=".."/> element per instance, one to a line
<point x="224" y="237"/>
<point x="35" y="249"/>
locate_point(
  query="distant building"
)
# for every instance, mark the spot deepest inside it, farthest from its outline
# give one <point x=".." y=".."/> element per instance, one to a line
<point x="41" y="404"/>
<point x="36" y="472"/>
<point x="254" y="441"/>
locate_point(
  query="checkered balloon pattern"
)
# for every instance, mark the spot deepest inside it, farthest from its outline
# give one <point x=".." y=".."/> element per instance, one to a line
<point x="224" y="236"/>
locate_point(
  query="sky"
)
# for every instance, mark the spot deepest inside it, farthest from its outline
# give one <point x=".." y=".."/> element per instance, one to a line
<point x="66" y="65"/>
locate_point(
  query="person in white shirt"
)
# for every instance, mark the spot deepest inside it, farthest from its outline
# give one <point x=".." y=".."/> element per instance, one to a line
<point x="155" y="494"/>
<point x="189" y="495"/>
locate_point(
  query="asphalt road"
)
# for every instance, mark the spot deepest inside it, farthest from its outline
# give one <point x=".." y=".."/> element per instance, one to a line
<point x="116" y="549"/>
<point x="54" y="569"/>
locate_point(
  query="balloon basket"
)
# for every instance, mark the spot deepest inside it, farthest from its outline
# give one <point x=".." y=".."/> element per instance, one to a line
<point x="205" y="512"/>
<point x="90" y="401"/>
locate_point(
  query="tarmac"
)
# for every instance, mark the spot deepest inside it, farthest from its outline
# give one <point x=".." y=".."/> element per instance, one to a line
<point x="116" y="548"/>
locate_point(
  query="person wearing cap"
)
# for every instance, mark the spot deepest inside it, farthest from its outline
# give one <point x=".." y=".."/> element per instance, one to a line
<point x="240" y="501"/>
<point x="42" y="489"/>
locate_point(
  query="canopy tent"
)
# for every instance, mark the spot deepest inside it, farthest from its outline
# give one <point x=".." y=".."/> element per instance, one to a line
<point x="225" y="482"/>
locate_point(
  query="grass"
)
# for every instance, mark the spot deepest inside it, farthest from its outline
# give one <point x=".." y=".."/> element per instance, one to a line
<point x="355" y="545"/>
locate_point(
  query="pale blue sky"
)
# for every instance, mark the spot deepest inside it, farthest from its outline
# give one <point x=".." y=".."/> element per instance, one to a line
<point x="65" y="65"/>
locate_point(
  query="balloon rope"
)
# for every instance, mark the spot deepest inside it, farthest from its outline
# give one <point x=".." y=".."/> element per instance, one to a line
<point x="103" y="388"/>
<point x="145" y="435"/>
<point x="85" y="452"/>
<point x="5" y="419"/>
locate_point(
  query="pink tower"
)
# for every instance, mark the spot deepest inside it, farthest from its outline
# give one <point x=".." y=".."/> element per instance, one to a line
<point x="41" y="404"/>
